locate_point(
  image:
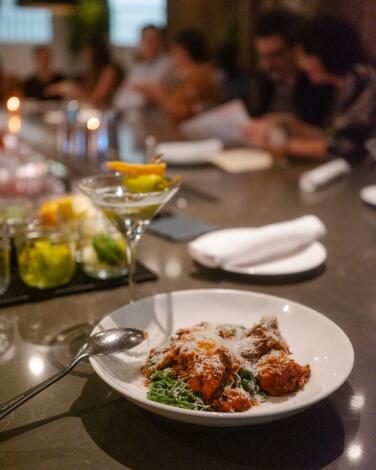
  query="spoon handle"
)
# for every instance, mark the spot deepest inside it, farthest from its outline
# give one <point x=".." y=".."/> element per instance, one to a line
<point x="18" y="400"/>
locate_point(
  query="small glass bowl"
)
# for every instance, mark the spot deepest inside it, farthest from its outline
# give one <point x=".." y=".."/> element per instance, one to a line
<point x="103" y="249"/>
<point x="45" y="256"/>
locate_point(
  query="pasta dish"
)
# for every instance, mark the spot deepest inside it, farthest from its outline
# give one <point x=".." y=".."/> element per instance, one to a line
<point x="223" y="367"/>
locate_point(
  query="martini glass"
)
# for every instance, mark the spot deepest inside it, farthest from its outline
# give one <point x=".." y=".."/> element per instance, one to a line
<point x="130" y="212"/>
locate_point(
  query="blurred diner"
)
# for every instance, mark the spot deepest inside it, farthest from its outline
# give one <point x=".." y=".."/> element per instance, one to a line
<point x="152" y="66"/>
<point x="331" y="54"/>
<point x="197" y="87"/>
<point x="100" y="78"/>
<point x="36" y="86"/>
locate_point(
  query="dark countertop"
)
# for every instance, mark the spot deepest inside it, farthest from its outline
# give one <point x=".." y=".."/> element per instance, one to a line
<point x="81" y="423"/>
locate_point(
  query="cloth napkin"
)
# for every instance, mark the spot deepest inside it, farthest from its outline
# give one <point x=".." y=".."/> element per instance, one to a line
<point x="190" y="151"/>
<point x="311" y="181"/>
<point x="255" y="246"/>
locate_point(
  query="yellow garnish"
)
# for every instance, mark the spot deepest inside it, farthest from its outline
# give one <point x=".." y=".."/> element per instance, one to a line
<point x="135" y="169"/>
<point x="63" y="209"/>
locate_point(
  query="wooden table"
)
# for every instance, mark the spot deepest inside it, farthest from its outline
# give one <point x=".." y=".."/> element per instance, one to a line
<point x="81" y="423"/>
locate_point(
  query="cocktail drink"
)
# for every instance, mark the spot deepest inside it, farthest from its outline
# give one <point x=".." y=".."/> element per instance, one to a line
<point x="130" y="199"/>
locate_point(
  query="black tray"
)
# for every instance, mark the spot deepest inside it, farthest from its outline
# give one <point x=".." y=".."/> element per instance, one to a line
<point x="18" y="292"/>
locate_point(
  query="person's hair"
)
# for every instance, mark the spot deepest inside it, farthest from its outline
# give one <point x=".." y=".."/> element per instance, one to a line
<point x="151" y="27"/>
<point x="194" y="43"/>
<point x="100" y="50"/>
<point x="334" y="41"/>
<point x="280" y="22"/>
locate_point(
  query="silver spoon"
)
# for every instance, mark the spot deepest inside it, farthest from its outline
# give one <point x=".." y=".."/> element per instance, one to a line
<point x="106" y="342"/>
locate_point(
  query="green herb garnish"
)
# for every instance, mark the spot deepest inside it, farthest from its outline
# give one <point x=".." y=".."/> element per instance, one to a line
<point x="167" y="389"/>
<point x="248" y="382"/>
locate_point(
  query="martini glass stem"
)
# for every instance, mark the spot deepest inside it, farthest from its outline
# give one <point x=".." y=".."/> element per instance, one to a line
<point x="131" y="256"/>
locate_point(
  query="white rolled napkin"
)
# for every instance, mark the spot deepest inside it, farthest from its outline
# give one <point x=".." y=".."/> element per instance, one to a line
<point x="255" y="246"/>
<point x="189" y="151"/>
<point x="312" y="180"/>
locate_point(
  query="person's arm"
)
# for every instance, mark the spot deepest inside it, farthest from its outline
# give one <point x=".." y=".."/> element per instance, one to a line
<point x="175" y="103"/>
<point x="314" y="148"/>
<point x="104" y="87"/>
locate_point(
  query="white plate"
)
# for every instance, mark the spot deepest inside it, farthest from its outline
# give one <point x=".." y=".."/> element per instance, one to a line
<point x="190" y="152"/>
<point x="368" y="194"/>
<point x="313" y="339"/>
<point x="305" y="260"/>
<point x="243" y="160"/>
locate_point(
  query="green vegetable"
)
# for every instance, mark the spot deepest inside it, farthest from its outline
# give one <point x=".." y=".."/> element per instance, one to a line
<point x="167" y="389"/>
<point x="248" y="381"/>
<point x="107" y="249"/>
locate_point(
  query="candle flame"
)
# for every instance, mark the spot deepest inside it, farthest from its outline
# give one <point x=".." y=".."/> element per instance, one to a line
<point x="13" y="103"/>
<point x="93" y="124"/>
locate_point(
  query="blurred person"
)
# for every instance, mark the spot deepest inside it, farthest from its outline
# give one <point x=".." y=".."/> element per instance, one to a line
<point x="198" y="86"/>
<point x="100" y="79"/>
<point x="152" y="66"/>
<point x="233" y="80"/>
<point x="280" y="86"/>
<point x="331" y="54"/>
<point x="44" y="75"/>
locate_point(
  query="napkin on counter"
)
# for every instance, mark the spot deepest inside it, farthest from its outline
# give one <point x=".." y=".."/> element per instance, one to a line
<point x="197" y="151"/>
<point x="241" y="160"/>
<point x="311" y="181"/>
<point x="260" y="244"/>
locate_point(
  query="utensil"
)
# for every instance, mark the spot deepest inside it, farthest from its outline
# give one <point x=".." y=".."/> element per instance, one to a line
<point x="103" y="343"/>
<point x="313" y="338"/>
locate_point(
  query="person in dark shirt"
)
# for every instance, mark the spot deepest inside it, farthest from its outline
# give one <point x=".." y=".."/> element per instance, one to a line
<point x="331" y="53"/>
<point x="36" y="85"/>
<point x="280" y="86"/>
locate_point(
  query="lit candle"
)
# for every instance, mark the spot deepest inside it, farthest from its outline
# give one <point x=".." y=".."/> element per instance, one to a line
<point x="13" y="104"/>
<point x="92" y="125"/>
<point x="14" y="119"/>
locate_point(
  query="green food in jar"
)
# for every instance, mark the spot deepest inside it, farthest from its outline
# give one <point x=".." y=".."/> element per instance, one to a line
<point x="108" y="249"/>
<point x="44" y="264"/>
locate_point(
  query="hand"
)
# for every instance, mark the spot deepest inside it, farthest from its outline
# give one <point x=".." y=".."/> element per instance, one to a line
<point x="151" y="90"/>
<point x="256" y="132"/>
<point x="66" y="88"/>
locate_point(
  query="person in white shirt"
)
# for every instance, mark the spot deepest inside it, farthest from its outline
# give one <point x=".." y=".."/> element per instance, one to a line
<point x="152" y="67"/>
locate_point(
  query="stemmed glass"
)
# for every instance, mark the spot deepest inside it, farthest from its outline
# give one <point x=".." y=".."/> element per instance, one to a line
<point x="130" y="212"/>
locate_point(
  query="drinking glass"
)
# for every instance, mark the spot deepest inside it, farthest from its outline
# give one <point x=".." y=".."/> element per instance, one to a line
<point x="130" y="212"/>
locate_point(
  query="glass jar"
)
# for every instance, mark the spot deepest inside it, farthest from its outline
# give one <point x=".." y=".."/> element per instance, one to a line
<point x="45" y="256"/>
<point x="14" y="213"/>
<point x="4" y="259"/>
<point x="103" y="249"/>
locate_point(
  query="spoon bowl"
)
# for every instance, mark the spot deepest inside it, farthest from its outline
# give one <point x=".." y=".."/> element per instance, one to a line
<point x="113" y="341"/>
